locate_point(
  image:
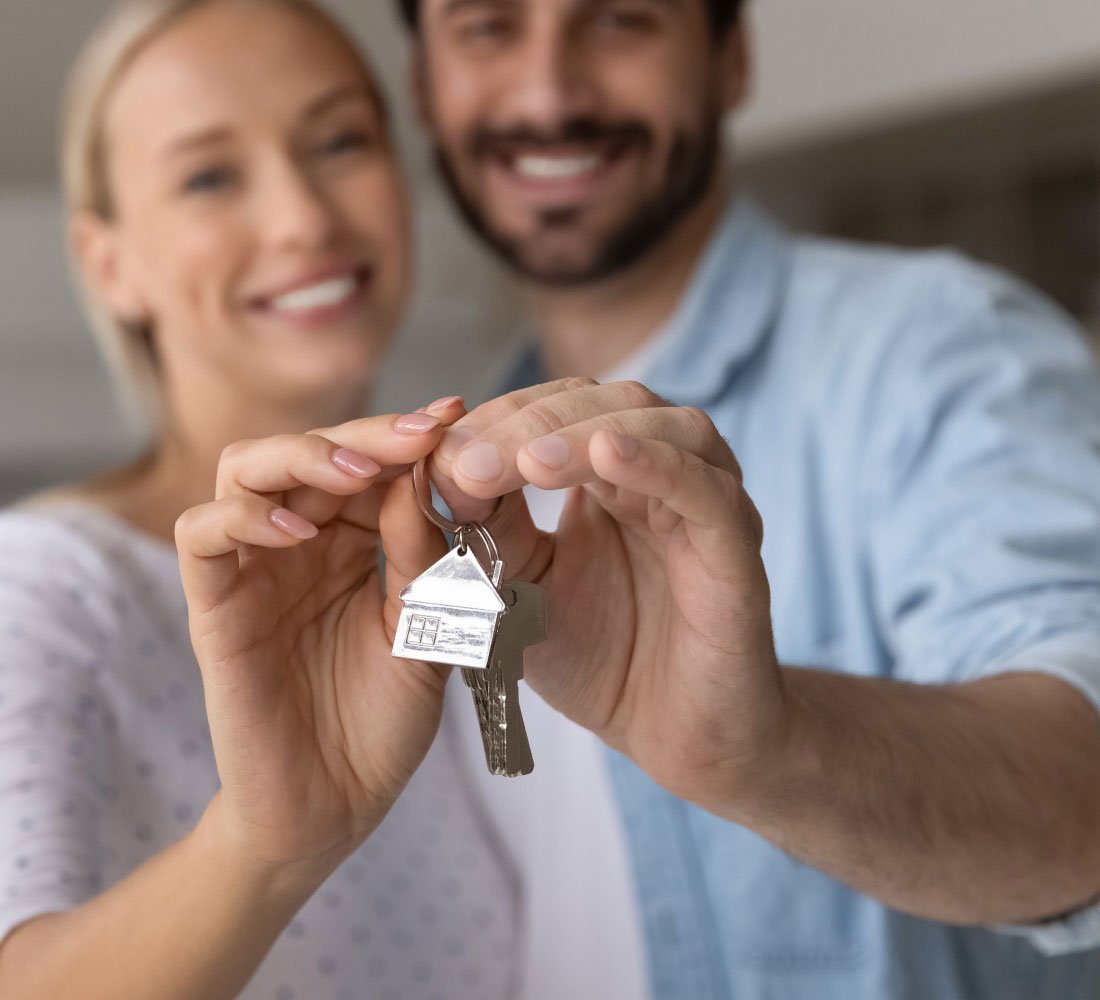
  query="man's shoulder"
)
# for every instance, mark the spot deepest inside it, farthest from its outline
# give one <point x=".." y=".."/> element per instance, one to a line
<point x="846" y="300"/>
<point x="864" y="337"/>
<point x="898" y="284"/>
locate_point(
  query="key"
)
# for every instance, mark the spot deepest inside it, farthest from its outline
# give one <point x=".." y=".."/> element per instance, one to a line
<point x="496" y="689"/>
<point x="457" y="613"/>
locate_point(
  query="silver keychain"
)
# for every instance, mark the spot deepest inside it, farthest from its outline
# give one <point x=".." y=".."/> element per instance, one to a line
<point x="459" y="613"/>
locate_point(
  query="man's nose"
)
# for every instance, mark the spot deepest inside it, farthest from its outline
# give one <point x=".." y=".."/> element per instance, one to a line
<point x="549" y="84"/>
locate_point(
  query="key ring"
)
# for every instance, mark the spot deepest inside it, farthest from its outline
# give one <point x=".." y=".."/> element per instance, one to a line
<point x="433" y="515"/>
<point x="462" y="542"/>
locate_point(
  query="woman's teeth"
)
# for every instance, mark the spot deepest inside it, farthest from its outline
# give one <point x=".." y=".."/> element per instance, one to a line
<point x="334" y="292"/>
<point x="556" y="167"/>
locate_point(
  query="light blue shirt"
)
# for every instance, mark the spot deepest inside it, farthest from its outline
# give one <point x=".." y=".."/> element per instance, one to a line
<point x="922" y="438"/>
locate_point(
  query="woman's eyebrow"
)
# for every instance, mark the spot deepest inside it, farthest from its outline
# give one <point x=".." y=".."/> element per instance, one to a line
<point x="346" y="92"/>
<point x="215" y="134"/>
<point x="202" y="137"/>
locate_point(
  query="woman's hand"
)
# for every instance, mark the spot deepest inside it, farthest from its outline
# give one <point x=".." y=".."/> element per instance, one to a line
<point x="316" y="728"/>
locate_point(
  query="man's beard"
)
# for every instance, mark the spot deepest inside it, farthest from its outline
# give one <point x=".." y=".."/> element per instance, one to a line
<point x="689" y="171"/>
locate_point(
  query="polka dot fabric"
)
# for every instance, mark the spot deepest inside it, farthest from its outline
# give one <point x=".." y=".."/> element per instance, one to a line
<point x="105" y="760"/>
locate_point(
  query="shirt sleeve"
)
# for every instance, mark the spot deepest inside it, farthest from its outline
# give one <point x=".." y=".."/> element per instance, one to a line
<point x="54" y="759"/>
<point x="984" y="541"/>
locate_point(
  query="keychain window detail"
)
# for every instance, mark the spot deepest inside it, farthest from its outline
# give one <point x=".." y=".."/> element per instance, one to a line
<point x="423" y="631"/>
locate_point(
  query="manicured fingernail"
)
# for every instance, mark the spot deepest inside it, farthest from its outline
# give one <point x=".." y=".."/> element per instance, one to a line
<point x="416" y="423"/>
<point x="453" y="440"/>
<point x="293" y="524"/>
<point x="357" y="465"/>
<point x="551" y="450"/>
<point x="480" y="461"/>
<point x="627" y="447"/>
<point x="442" y="404"/>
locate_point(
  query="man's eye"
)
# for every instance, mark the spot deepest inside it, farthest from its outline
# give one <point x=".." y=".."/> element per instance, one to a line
<point x="208" y="180"/>
<point x="486" y="29"/>
<point x="626" y="22"/>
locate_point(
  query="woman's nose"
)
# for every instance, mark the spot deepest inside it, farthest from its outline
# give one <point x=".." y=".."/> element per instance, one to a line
<point x="295" y="212"/>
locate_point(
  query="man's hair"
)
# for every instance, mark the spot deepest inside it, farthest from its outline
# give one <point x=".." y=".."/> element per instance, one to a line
<point x="723" y="13"/>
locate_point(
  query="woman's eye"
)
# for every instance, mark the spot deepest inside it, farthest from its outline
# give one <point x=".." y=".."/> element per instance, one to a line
<point x="345" y="142"/>
<point x="211" y="179"/>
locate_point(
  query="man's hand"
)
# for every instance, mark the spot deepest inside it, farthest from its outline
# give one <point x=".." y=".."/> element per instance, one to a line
<point x="969" y="803"/>
<point x="660" y="626"/>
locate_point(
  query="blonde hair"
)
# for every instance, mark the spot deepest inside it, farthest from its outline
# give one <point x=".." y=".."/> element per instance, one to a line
<point x="126" y="343"/>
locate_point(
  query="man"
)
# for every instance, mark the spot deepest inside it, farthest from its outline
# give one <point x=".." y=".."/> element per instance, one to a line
<point x="898" y="798"/>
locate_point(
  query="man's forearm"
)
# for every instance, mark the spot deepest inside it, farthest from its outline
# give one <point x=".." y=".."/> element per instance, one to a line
<point x="194" y="921"/>
<point x="970" y="804"/>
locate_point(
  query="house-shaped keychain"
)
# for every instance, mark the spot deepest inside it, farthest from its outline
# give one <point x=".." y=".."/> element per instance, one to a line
<point x="452" y="612"/>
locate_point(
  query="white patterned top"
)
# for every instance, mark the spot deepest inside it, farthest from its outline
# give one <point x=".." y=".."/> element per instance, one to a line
<point x="105" y="760"/>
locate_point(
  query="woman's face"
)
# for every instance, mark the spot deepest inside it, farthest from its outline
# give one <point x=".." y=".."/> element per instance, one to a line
<point x="260" y="218"/>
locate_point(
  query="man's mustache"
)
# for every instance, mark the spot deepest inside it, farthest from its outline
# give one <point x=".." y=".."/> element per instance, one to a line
<point x="485" y="141"/>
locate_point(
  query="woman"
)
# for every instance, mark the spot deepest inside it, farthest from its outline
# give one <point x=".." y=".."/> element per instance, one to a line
<point x="239" y="220"/>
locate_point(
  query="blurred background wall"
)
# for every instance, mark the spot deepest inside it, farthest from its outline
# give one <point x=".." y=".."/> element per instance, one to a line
<point x="970" y="122"/>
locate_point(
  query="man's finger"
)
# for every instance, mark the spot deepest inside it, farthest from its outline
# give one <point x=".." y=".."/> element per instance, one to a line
<point x="524" y="548"/>
<point x="721" y="520"/>
<point x="501" y="408"/>
<point x="518" y="451"/>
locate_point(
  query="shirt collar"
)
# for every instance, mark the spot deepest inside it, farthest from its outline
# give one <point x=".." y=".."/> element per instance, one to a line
<point x="727" y="311"/>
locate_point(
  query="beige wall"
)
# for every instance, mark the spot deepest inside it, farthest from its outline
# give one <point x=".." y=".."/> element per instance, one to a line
<point x="825" y="65"/>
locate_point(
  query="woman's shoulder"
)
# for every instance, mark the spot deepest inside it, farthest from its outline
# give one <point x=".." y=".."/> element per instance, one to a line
<point x="75" y="577"/>
<point x="63" y="534"/>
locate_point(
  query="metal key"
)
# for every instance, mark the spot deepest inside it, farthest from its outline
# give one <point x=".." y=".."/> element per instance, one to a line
<point x="456" y="612"/>
<point x="496" y="689"/>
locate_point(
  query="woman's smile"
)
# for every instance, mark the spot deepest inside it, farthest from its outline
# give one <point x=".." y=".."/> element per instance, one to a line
<point x="323" y="298"/>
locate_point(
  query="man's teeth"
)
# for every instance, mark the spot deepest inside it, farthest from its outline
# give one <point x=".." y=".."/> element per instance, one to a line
<point x="327" y="293"/>
<point x="556" y="167"/>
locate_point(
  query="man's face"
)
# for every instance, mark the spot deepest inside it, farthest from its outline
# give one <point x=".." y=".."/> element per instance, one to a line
<point x="574" y="134"/>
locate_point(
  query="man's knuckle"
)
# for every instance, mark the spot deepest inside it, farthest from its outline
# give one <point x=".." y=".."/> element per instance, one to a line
<point x="746" y="513"/>
<point x="543" y="418"/>
<point x="680" y="467"/>
<point x="757" y="521"/>
<point x="570" y="383"/>
<point x="636" y="395"/>
<point x="702" y="427"/>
